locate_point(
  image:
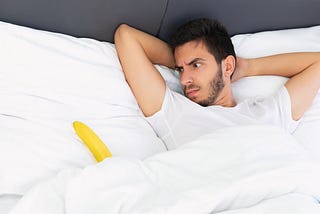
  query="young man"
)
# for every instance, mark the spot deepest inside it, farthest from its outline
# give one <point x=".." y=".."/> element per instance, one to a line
<point x="201" y="50"/>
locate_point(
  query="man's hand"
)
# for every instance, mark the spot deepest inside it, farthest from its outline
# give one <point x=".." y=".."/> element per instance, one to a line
<point x="242" y="69"/>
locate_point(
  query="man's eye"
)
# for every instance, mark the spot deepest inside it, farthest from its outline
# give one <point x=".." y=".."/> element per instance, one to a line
<point x="179" y="69"/>
<point x="196" y="65"/>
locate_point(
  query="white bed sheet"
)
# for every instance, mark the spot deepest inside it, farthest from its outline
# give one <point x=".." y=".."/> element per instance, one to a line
<point x="265" y="168"/>
<point x="8" y="202"/>
<point x="291" y="203"/>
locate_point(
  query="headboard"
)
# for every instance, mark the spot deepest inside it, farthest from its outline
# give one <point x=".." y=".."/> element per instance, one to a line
<point x="98" y="18"/>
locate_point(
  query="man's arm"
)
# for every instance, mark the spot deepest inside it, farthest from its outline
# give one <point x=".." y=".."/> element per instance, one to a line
<point x="138" y="51"/>
<point x="303" y="69"/>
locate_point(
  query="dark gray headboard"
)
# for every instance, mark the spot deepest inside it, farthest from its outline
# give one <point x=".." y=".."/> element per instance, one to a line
<point x="99" y="18"/>
<point x="243" y="16"/>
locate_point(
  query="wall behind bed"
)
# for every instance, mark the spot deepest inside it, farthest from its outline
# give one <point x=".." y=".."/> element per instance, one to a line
<point x="98" y="18"/>
<point x="84" y="18"/>
<point x="243" y="16"/>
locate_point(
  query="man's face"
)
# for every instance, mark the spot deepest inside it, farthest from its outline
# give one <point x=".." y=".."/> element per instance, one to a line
<point x="200" y="75"/>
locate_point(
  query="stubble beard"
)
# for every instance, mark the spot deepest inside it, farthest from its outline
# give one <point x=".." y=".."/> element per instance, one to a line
<point x="216" y="86"/>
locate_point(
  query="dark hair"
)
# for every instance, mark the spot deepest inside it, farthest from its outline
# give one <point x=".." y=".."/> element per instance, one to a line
<point x="213" y="34"/>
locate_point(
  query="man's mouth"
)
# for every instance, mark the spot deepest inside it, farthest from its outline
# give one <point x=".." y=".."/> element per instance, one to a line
<point x="190" y="93"/>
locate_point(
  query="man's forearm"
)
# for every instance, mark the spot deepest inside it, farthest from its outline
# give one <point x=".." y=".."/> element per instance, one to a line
<point x="303" y="69"/>
<point x="287" y="65"/>
<point x="155" y="49"/>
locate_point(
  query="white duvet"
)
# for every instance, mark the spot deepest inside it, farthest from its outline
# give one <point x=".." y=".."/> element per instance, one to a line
<point x="248" y="169"/>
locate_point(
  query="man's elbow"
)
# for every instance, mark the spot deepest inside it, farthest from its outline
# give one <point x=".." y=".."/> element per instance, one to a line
<point x="121" y="31"/>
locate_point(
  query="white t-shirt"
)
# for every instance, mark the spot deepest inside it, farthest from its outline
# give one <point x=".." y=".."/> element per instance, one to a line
<point x="181" y="120"/>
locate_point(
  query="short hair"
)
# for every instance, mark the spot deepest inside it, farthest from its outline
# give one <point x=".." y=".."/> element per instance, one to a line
<point x="213" y="34"/>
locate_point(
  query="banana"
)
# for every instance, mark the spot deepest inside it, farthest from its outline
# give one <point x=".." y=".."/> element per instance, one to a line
<point x="92" y="141"/>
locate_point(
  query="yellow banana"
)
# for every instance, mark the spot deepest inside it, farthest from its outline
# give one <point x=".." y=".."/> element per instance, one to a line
<point x="92" y="141"/>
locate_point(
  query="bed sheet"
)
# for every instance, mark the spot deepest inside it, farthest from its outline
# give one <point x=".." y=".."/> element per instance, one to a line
<point x="261" y="171"/>
<point x="8" y="202"/>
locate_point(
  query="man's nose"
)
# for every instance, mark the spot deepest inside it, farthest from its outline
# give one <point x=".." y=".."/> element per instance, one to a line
<point x="186" y="78"/>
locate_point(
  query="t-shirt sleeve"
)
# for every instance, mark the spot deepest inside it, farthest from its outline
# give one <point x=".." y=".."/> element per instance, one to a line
<point x="162" y="120"/>
<point x="279" y="111"/>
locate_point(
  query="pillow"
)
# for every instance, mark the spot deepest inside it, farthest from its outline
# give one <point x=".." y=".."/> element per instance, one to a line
<point x="275" y="42"/>
<point x="49" y="80"/>
<point x="269" y="43"/>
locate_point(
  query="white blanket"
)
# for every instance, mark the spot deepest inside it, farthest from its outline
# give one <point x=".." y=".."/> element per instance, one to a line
<point x="247" y="169"/>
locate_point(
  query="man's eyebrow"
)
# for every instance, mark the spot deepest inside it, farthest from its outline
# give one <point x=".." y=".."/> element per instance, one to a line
<point x="177" y="67"/>
<point x="195" y="60"/>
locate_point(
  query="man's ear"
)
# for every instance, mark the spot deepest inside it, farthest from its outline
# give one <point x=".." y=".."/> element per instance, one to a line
<point x="229" y="65"/>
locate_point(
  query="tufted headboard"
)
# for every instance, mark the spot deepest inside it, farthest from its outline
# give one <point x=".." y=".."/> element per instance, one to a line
<point x="98" y="18"/>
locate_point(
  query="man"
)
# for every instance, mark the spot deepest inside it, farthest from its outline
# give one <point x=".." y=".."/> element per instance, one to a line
<point x="203" y="54"/>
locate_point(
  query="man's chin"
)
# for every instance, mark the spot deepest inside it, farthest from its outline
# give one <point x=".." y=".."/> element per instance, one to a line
<point x="194" y="99"/>
<point x="203" y="103"/>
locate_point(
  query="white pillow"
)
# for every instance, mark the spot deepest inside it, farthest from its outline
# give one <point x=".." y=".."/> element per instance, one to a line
<point x="49" y="80"/>
<point x="275" y="42"/>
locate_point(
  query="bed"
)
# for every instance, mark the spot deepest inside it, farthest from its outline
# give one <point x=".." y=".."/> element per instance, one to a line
<point x="58" y="65"/>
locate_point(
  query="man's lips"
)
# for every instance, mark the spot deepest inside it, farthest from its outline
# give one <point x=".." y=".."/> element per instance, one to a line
<point x="191" y="92"/>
